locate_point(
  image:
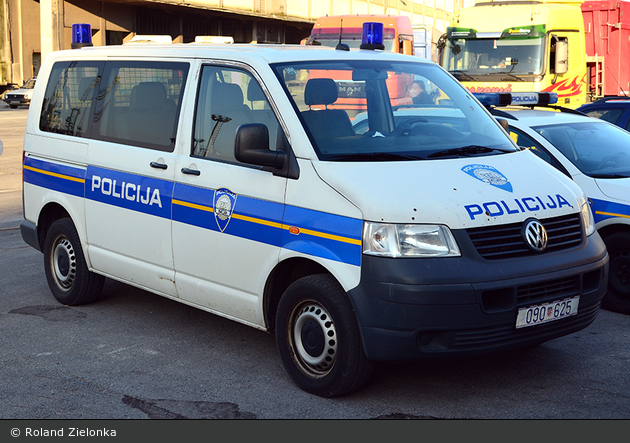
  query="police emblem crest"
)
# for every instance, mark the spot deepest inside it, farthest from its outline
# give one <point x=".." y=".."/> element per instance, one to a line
<point x="490" y="175"/>
<point x="223" y="203"/>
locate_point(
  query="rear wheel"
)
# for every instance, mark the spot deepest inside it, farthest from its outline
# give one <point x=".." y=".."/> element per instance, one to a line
<point x="69" y="278"/>
<point x="617" y="297"/>
<point x="318" y="338"/>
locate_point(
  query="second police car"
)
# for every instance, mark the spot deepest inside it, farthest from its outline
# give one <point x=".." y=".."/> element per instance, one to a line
<point x="596" y="155"/>
<point x="230" y="178"/>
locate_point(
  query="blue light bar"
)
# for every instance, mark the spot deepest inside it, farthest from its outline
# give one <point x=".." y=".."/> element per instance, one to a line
<point x="516" y="98"/>
<point x="372" y="37"/>
<point x="81" y="35"/>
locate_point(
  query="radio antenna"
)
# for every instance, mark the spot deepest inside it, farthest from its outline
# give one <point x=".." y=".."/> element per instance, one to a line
<point x="341" y="46"/>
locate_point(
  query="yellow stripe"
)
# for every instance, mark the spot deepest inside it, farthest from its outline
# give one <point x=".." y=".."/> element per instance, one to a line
<point x="193" y="205"/>
<point x="272" y="224"/>
<point x="352" y="241"/>
<point x="54" y="174"/>
<point x="612" y="214"/>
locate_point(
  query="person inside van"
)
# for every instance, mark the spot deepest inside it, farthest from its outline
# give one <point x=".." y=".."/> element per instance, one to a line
<point x="418" y="93"/>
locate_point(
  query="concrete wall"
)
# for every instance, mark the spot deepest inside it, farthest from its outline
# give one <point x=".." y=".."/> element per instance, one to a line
<point x="41" y="27"/>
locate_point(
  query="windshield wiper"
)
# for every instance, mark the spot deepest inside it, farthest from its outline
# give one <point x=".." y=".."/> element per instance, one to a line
<point x="466" y="151"/>
<point x="608" y="176"/>
<point x="457" y="71"/>
<point x="511" y="75"/>
<point x="374" y="156"/>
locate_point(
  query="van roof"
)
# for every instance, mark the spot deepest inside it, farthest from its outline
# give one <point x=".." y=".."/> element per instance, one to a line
<point x="239" y="52"/>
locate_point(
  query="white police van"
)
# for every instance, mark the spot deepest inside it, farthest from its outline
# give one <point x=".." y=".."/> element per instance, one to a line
<point x="230" y="178"/>
<point x="595" y="154"/>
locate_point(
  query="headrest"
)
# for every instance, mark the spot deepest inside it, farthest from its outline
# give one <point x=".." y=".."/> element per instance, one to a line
<point x="85" y="88"/>
<point x="320" y="91"/>
<point x="254" y="93"/>
<point x="148" y="96"/>
<point x="227" y="96"/>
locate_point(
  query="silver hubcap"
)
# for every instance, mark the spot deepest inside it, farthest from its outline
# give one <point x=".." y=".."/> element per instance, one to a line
<point x="314" y="339"/>
<point x="64" y="263"/>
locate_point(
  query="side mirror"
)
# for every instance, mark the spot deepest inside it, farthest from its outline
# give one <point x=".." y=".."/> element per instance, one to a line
<point x="252" y="146"/>
<point x="562" y="57"/>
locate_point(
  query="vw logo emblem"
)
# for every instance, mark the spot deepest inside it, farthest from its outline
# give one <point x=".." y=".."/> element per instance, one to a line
<point x="535" y="235"/>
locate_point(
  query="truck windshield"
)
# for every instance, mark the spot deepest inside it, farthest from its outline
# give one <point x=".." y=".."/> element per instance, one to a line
<point x="372" y="110"/>
<point x="483" y="57"/>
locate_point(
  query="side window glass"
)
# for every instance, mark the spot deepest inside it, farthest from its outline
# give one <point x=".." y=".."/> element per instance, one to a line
<point x="525" y="141"/>
<point x="228" y="98"/>
<point x="609" y="115"/>
<point x="139" y="103"/>
<point x="69" y="97"/>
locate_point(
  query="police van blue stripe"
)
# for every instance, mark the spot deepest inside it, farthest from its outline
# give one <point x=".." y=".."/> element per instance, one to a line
<point x="302" y="230"/>
<point x="138" y="193"/>
<point x="61" y="178"/>
<point x="603" y="209"/>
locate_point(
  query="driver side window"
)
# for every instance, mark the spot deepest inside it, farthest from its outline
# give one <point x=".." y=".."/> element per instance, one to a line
<point x="228" y="98"/>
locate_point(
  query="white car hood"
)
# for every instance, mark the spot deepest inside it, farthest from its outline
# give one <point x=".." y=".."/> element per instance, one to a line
<point x="460" y="193"/>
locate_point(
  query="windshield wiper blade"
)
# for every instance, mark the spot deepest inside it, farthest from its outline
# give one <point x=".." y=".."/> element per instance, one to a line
<point x="511" y="75"/>
<point x="374" y="156"/>
<point x="466" y="151"/>
<point x="608" y="176"/>
<point x="457" y="71"/>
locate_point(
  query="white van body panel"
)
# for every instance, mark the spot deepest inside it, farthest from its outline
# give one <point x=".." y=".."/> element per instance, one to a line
<point x="450" y="196"/>
<point x="117" y="234"/>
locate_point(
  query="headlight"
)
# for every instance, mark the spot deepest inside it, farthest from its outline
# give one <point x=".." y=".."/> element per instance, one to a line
<point x="587" y="218"/>
<point x="392" y="240"/>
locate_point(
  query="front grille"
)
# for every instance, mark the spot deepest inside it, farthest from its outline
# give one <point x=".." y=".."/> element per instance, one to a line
<point x="506" y="241"/>
<point x="548" y="291"/>
<point x="507" y="334"/>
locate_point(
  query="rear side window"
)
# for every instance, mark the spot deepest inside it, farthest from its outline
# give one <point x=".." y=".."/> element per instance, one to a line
<point x="68" y="99"/>
<point x="139" y="103"/>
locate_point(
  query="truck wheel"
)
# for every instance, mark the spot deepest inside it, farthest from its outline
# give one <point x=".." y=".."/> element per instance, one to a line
<point x="67" y="273"/>
<point x="318" y="338"/>
<point x="617" y="297"/>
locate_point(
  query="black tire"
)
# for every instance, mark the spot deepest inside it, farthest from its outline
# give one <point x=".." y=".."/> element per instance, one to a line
<point x="69" y="278"/>
<point x="318" y="338"/>
<point x="617" y="298"/>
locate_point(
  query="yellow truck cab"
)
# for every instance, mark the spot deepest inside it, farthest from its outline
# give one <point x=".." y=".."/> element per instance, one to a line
<point x="519" y="46"/>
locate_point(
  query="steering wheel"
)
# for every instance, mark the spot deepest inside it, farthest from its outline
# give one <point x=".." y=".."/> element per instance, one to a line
<point x="405" y="127"/>
<point x="614" y="158"/>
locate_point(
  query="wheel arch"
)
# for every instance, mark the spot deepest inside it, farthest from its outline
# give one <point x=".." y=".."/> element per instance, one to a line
<point x="613" y="228"/>
<point x="285" y="273"/>
<point x="50" y="213"/>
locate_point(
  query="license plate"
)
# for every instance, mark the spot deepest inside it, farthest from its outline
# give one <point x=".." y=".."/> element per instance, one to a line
<point x="535" y="315"/>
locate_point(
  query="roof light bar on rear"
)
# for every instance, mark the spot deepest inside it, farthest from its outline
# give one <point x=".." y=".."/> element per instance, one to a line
<point x="516" y="98"/>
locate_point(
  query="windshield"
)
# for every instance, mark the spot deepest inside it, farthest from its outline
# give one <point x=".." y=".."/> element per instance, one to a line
<point x="375" y="110"/>
<point x="598" y="149"/>
<point x="486" y="57"/>
<point x="30" y="84"/>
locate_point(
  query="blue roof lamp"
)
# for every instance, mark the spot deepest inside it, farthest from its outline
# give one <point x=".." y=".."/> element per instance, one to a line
<point x="81" y="35"/>
<point x="372" y="37"/>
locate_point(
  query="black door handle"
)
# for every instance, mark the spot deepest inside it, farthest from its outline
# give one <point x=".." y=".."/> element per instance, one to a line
<point x="191" y="171"/>
<point x="158" y="165"/>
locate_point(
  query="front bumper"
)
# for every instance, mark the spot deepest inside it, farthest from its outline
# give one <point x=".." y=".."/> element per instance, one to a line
<point x="409" y="309"/>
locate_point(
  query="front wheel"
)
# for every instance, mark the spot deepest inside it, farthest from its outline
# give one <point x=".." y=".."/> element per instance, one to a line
<point x="69" y="278"/>
<point x="617" y="297"/>
<point x="318" y="338"/>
